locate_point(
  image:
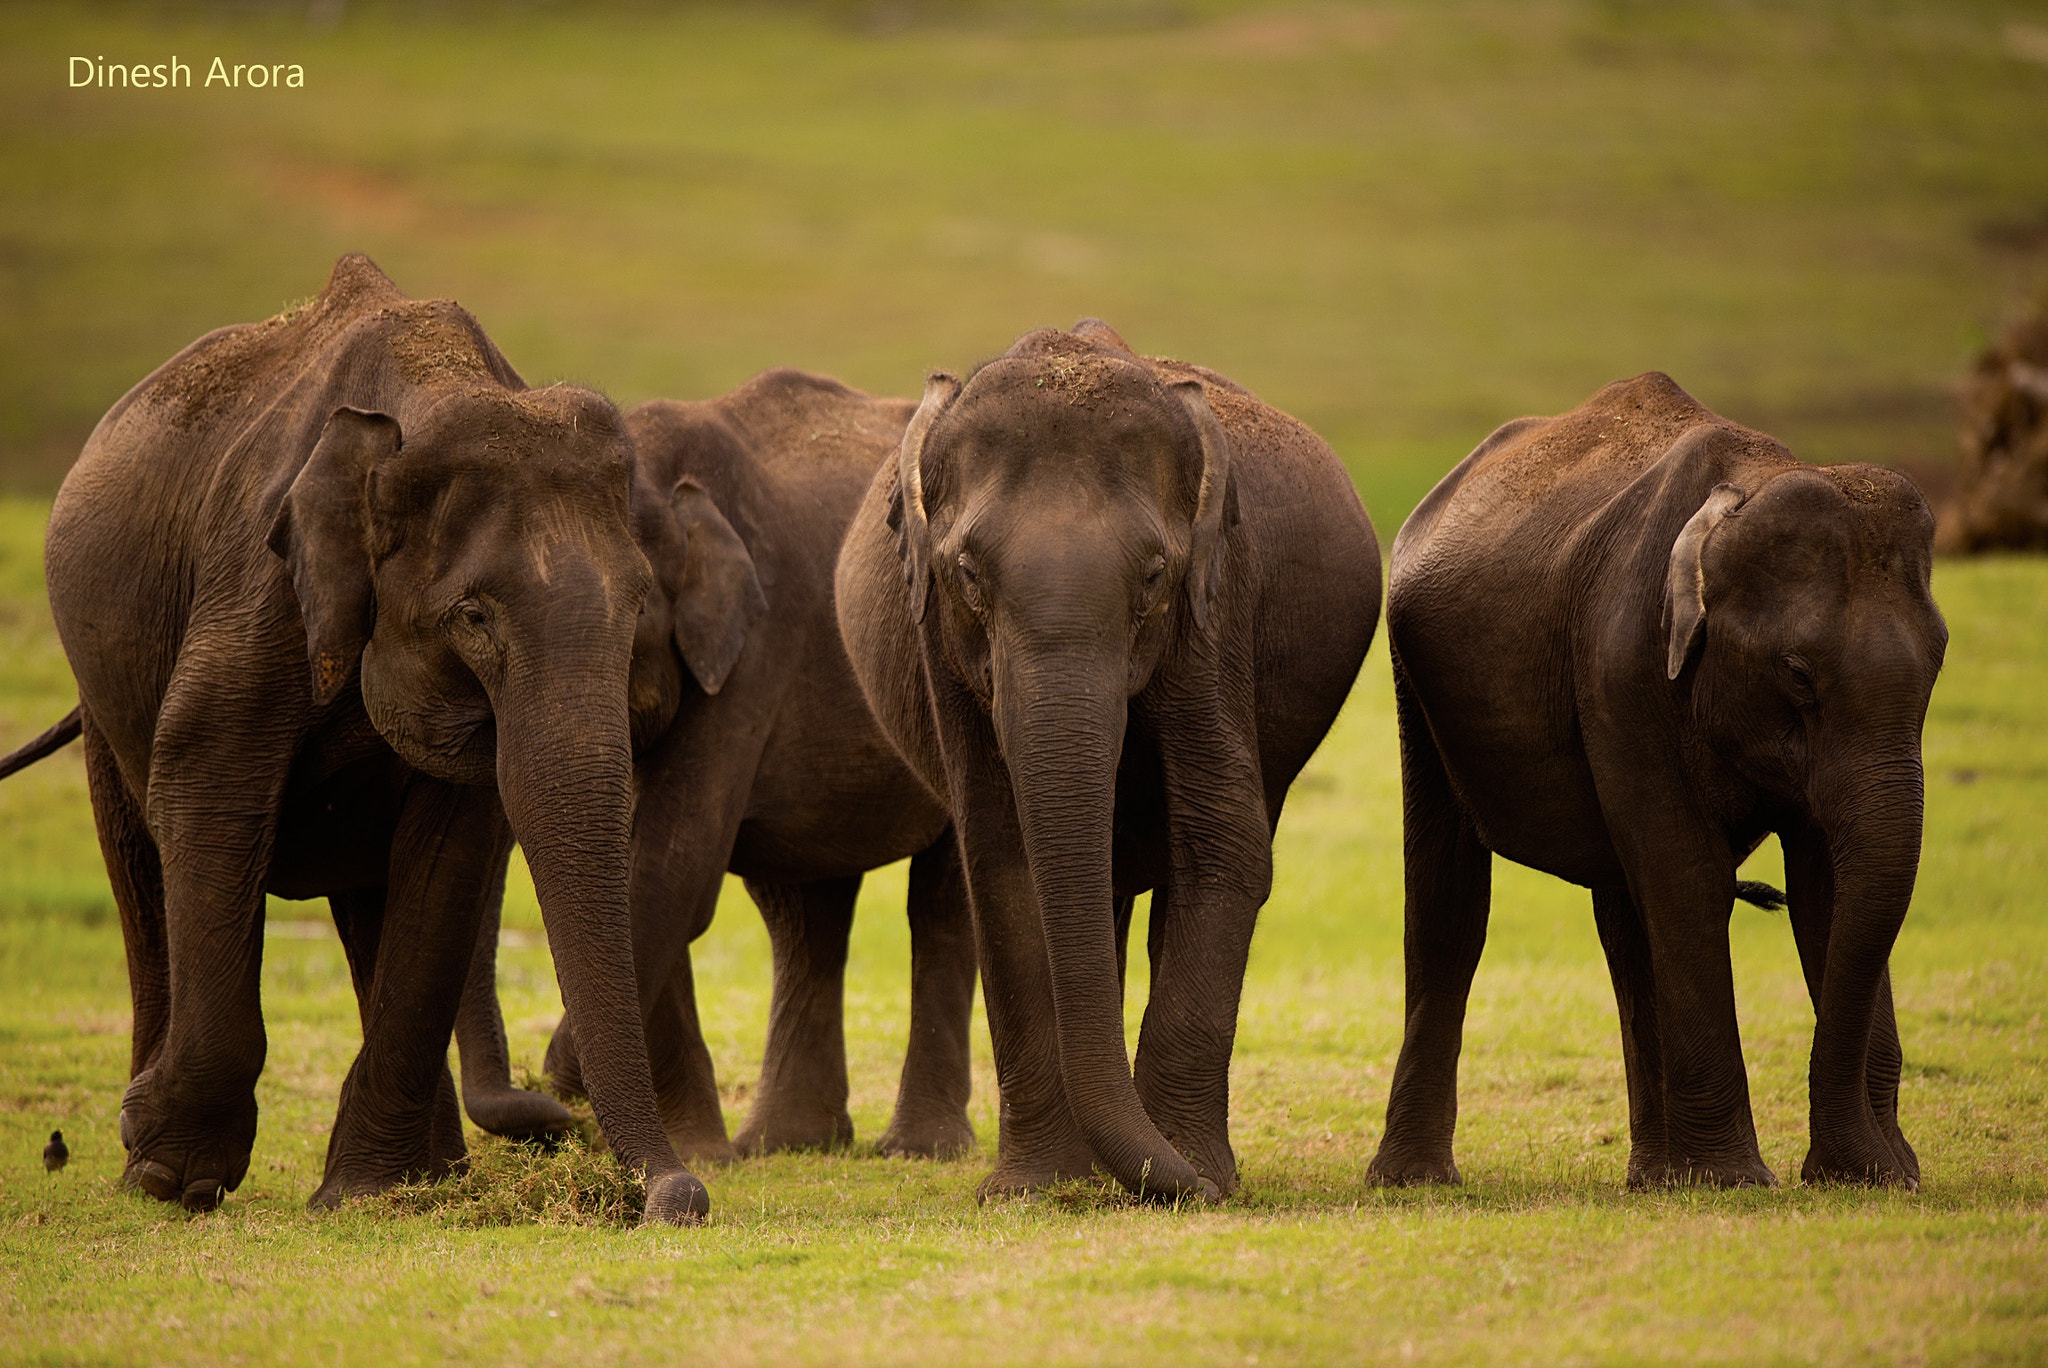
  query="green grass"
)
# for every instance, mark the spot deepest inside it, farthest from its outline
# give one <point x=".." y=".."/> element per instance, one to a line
<point x="1403" y="222"/>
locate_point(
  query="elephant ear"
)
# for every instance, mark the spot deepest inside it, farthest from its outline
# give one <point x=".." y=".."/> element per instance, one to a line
<point x="1205" y="547"/>
<point x="322" y="532"/>
<point x="716" y="594"/>
<point x="940" y="390"/>
<point x="1685" y="585"/>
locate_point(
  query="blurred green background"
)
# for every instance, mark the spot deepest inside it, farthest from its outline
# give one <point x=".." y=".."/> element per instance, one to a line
<point x="1404" y="222"/>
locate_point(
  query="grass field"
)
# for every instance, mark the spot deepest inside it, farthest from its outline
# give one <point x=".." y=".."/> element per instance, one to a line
<point x="1403" y="222"/>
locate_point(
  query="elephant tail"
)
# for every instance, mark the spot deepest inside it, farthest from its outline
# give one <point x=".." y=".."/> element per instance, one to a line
<point x="1758" y="894"/>
<point x="51" y="741"/>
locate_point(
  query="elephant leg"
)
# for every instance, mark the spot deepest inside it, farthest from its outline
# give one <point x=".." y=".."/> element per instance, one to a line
<point x="1449" y="877"/>
<point x="397" y="1118"/>
<point x="1683" y="883"/>
<point x="930" y="1120"/>
<point x="1183" y="1066"/>
<point x="487" y="1092"/>
<point x="136" y="875"/>
<point x="218" y="767"/>
<point x="685" y="1083"/>
<point x="1809" y="892"/>
<point x="359" y="920"/>
<point x="800" y="1102"/>
<point x="1627" y="947"/>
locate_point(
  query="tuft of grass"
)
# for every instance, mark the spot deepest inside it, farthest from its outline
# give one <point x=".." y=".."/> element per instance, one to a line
<point x="517" y="1182"/>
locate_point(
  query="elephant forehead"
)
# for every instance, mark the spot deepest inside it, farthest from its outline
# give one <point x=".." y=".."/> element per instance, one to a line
<point x="1110" y="435"/>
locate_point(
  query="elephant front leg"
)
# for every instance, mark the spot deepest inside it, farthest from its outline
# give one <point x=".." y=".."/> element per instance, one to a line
<point x="487" y="1092"/>
<point x="685" y="1081"/>
<point x="1684" y="885"/>
<point x="1198" y="958"/>
<point x="1448" y="876"/>
<point x="396" y="1119"/>
<point x="930" y="1120"/>
<point x="1627" y="948"/>
<point x="359" y="920"/>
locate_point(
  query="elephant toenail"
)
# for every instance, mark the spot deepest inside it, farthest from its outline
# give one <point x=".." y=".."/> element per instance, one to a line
<point x="153" y="1178"/>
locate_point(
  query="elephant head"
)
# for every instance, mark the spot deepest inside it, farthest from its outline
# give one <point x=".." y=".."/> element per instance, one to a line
<point x="1063" y="519"/>
<point x="1803" y="637"/>
<point x="476" y="567"/>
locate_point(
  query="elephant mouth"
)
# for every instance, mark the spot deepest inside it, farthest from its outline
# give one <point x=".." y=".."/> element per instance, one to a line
<point x="458" y="751"/>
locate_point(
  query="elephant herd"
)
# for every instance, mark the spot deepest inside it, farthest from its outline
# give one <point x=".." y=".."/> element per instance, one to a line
<point x="352" y="609"/>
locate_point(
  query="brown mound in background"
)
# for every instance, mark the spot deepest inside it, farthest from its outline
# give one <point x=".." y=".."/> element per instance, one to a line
<point x="2001" y="499"/>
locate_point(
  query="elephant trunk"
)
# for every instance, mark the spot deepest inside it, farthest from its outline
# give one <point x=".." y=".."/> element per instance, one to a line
<point x="565" y="775"/>
<point x="1873" y="835"/>
<point x="1060" y="724"/>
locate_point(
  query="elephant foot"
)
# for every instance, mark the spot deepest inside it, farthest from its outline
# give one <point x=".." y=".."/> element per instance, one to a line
<point x="1872" y="1164"/>
<point x="1736" y="1172"/>
<point x="194" y="1163"/>
<point x="676" y="1198"/>
<point x="344" y="1184"/>
<point x="1392" y="1168"/>
<point x="1212" y="1159"/>
<point x="698" y="1147"/>
<point x="1020" y="1175"/>
<point x="770" y="1129"/>
<point x="1902" y="1151"/>
<point x="927" y="1137"/>
<point x="517" y="1113"/>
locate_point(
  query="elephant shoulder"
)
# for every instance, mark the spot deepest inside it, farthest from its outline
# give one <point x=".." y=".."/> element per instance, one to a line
<point x="799" y="420"/>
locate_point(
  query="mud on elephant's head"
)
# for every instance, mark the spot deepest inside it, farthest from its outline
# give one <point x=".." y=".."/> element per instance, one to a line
<point x="477" y="560"/>
<point x="1063" y="500"/>
<point x="1800" y="620"/>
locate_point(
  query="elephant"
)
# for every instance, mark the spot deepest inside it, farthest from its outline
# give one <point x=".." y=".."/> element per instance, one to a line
<point x="350" y="608"/>
<point x="1629" y="642"/>
<point x="756" y="754"/>
<point x="1109" y="605"/>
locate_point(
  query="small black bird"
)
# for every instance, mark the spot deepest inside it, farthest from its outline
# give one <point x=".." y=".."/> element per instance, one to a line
<point x="56" y="1154"/>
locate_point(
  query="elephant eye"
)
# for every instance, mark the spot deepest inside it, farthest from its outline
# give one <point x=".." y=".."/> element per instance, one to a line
<point x="1155" y="577"/>
<point x="471" y="613"/>
<point x="970" y="579"/>
<point x="1800" y="671"/>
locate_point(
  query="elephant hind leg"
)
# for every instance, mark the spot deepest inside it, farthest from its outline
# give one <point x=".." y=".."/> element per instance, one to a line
<point x="931" y="1100"/>
<point x="1449" y="876"/>
<point x="800" y="1102"/>
<point x="1627" y="947"/>
<point x="135" y="872"/>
